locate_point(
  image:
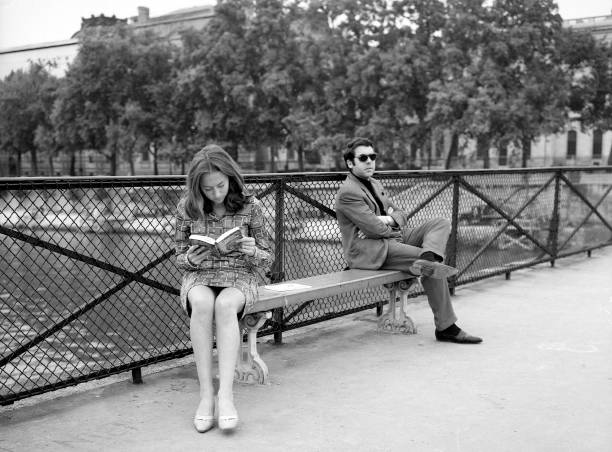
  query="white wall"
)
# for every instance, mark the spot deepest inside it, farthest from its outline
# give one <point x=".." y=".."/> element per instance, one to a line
<point x="62" y="53"/>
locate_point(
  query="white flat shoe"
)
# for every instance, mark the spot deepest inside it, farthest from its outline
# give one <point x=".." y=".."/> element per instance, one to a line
<point x="225" y="422"/>
<point x="203" y="423"/>
<point x="228" y="422"/>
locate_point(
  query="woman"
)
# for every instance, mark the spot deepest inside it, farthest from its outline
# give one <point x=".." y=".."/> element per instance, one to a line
<point x="216" y="286"/>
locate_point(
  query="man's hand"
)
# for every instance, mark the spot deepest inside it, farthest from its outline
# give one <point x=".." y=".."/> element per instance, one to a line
<point x="387" y="220"/>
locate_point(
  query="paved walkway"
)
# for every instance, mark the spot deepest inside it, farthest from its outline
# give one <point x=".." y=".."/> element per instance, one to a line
<point x="541" y="381"/>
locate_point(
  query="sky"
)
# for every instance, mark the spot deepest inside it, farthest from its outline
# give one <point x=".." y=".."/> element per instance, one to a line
<point x="24" y="22"/>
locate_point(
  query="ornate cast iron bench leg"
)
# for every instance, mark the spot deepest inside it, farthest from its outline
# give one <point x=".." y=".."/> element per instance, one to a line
<point x="389" y="322"/>
<point x="250" y="367"/>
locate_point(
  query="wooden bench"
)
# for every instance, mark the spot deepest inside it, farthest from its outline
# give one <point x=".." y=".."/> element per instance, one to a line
<point x="252" y="369"/>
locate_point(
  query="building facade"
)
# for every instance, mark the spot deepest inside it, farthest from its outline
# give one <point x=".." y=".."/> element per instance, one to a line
<point x="599" y="26"/>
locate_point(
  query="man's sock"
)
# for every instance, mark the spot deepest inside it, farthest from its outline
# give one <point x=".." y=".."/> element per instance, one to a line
<point x="453" y="330"/>
<point x="431" y="257"/>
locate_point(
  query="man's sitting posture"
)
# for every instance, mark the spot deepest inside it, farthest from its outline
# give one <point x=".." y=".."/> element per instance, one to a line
<point x="375" y="236"/>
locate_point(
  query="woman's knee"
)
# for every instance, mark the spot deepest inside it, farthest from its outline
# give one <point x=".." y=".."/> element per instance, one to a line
<point x="228" y="303"/>
<point x="201" y="299"/>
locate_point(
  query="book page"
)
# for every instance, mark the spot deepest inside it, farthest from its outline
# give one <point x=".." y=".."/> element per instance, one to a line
<point x="285" y="287"/>
<point x="228" y="241"/>
<point x="228" y="233"/>
<point x="202" y="238"/>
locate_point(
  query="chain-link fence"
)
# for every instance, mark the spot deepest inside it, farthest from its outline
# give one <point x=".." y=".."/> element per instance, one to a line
<point x="89" y="288"/>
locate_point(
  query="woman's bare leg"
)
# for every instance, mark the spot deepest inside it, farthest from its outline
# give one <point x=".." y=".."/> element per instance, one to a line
<point x="202" y="301"/>
<point x="227" y="305"/>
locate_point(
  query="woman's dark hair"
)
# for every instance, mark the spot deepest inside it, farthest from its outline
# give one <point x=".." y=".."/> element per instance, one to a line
<point x="213" y="158"/>
<point x="349" y="152"/>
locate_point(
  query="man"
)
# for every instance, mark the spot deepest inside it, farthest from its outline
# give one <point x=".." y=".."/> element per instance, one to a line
<point x="375" y="235"/>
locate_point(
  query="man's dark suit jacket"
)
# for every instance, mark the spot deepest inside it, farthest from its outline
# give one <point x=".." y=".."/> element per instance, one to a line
<point x="357" y="210"/>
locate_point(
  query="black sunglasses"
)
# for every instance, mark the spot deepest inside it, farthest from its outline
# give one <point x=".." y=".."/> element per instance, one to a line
<point x="364" y="157"/>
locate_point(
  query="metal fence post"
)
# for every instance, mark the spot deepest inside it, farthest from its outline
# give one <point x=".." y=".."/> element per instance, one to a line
<point x="137" y="376"/>
<point x="278" y="272"/>
<point x="451" y="257"/>
<point x="554" y="221"/>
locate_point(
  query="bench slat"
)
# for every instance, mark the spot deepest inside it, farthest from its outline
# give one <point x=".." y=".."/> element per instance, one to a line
<point x="327" y="285"/>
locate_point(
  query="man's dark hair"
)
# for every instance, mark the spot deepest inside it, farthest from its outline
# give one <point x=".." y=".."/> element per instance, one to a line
<point x="349" y="152"/>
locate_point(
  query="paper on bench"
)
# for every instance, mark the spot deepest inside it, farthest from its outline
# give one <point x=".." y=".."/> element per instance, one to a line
<point x="285" y="287"/>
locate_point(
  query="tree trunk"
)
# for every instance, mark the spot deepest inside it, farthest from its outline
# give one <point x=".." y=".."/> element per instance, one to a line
<point x="51" y="166"/>
<point x="19" y="163"/>
<point x="272" y="161"/>
<point x="81" y="169"/>
<point x="113" y="161"/>
<point x="155" y="164"/>
<point x="171" y="159"/>
<point x="430" y="148"/>
<point x="131" y="162"/>
<point x="72" y="168"/>
<point x="482" y="150"/>
<point x="300" y="151"/>
<point x="34" y="162"/>
<point x="526" y="151"/>
<point x="452" y="151"/>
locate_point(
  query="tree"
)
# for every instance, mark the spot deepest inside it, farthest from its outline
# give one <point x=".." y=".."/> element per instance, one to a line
<point x="25" y="104"/>
<point x="377" y="61"/>
<point x="151" y="94"/>
<point x="65" y="118"/>
<point x="116" y="74"/>
<point x="502" y="78"/>
<point x="97" y="85"/>
<point x="243" y="77"/>
<point x="588" y="63"/>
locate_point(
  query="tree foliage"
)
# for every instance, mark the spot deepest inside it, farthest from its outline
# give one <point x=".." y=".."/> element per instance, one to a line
<point x="26" y="98"/>
<point x="307" y="74"/>
<point x="503" y="81"/>
<point x="117" y="85"/>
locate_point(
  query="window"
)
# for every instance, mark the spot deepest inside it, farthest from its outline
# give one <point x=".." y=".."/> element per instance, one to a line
<point x="145" y="155"/>
<point x="597" y="143"/>
<point x="571" y="144"/>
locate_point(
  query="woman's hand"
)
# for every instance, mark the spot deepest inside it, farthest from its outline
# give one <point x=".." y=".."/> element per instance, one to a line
<point x="247" y="246"/>
<point x="196" y="254"/>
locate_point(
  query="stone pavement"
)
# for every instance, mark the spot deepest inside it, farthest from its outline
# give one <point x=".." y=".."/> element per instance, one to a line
<point x="540" y="381"/>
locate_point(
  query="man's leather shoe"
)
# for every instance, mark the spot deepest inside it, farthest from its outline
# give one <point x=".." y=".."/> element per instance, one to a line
<point x="460" y="338"/>
<point x="436" y="270"/>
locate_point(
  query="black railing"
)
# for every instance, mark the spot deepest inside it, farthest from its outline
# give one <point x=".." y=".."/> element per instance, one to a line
<point x="89" y="288"/>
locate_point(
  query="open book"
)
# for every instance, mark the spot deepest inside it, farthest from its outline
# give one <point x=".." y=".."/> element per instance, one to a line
<point x="226" y="242"/>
